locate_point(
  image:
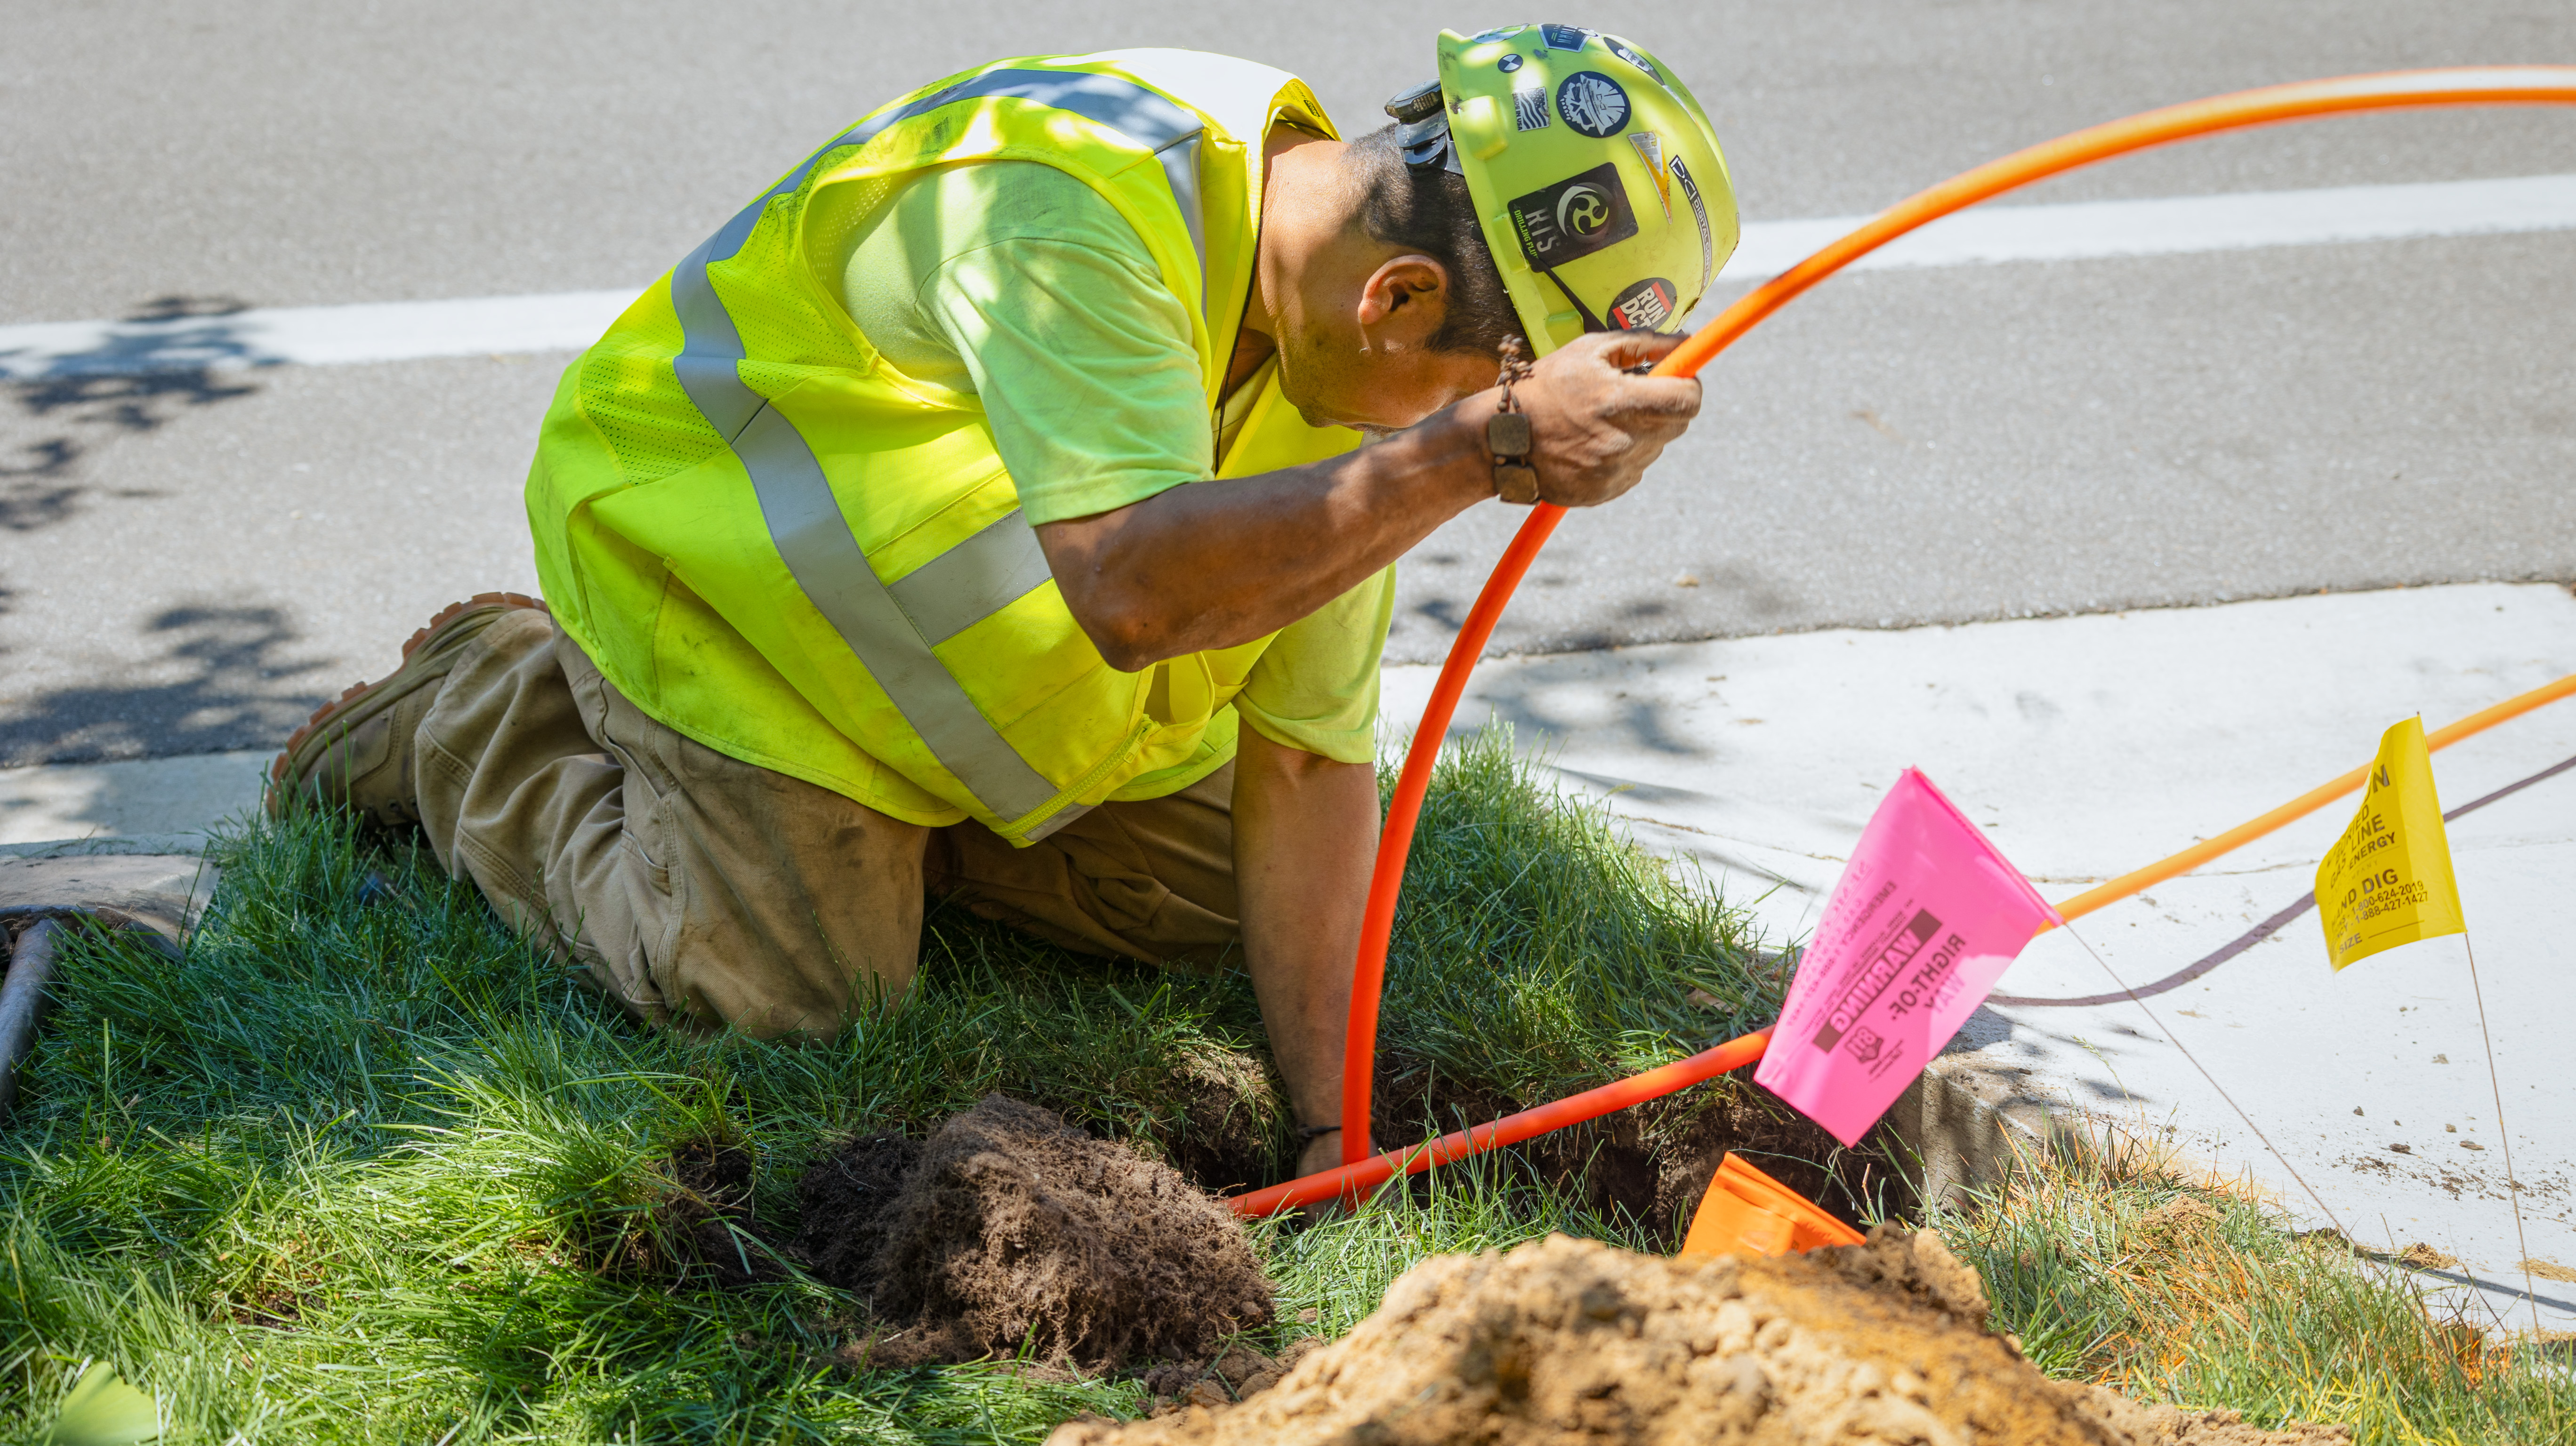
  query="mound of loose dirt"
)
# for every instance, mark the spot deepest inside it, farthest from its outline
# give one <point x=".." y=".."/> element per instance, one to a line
<point x="1010" y="1229"/>
<point x="1567" y="1341"/>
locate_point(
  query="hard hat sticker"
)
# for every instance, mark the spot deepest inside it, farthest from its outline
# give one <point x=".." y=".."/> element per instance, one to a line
<point x="1628" y="53"/>
<point x="1593" y="104"/>
<point x="1573" y="218"/>
<point x="1508" y="64"/>
<point x="1647" y="306"/>
<point x="1699" y="213"/>
<point x="1529" y="106"/>
<point x="1563" y="37"/>
<point x="1650" y="149"/>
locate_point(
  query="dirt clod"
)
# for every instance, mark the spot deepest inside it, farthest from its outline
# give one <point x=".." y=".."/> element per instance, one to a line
<point x="1010" y="1230"/>
<point x="1568" y="1340"/>
<point x="2425" y="1257"/>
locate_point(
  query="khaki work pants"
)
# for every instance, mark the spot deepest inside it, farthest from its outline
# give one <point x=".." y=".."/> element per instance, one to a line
<point x="697" y="887"/>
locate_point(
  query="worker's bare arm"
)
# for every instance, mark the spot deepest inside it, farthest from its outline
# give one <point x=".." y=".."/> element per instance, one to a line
<point x="1305" y="830"/>
<point x="1218" y="563"/>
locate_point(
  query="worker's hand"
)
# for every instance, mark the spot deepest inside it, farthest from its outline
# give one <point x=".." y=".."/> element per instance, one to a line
<point x="1594" y="428"/>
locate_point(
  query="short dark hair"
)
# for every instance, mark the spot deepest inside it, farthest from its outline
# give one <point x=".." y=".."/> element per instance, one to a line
<point x="1427" y="210"/>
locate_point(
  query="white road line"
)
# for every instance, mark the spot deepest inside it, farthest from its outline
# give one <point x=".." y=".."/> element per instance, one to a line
<point x="569" y="321"/>
<point x="378" y="331"/>
<point x="2177" y="225"/>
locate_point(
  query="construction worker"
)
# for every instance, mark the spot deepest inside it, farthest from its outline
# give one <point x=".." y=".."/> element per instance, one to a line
<point x="940" y="524"/>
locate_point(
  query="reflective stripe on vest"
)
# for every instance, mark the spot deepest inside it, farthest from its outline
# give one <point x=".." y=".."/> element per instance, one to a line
<point x="891" y="630"/>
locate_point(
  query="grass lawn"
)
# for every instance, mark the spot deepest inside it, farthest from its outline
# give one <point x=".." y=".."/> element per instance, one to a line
<point x="2124" y="1272"/>
<point x="364" y="1167"/>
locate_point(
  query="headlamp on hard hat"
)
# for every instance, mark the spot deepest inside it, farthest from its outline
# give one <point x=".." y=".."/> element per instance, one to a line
<point x="1422" y="129"/>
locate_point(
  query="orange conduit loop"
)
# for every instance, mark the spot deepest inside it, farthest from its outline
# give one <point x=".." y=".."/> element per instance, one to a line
<point x="2398" y="90"/>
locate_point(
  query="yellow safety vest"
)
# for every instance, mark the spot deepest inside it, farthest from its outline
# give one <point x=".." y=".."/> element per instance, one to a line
<point x="777" y="544"/>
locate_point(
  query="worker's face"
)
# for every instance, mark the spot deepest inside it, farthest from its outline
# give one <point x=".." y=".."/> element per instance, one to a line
<point x="1354" y="349"/>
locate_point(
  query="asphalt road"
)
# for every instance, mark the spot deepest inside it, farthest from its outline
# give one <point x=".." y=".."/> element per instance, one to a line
<point x="189" y="561"/>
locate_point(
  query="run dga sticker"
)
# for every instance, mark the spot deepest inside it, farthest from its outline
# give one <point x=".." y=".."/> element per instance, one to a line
<point x="1593" y="104"/>
<point x="1574" y="218"/>
<point x="1563" y="37"/>
<point x="1646" y="306"/>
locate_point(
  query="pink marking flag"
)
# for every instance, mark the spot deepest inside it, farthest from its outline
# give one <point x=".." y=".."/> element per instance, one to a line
<point x="1926" y="918"/>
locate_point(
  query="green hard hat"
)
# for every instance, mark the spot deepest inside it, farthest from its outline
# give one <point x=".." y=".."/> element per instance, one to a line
<point x="1595" y="175"/>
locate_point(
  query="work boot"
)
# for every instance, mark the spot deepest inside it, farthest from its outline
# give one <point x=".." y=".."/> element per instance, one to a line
<point x="357" y="750"/>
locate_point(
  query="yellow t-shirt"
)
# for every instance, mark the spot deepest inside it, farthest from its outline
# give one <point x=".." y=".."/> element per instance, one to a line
<point x="1015" y="282"/>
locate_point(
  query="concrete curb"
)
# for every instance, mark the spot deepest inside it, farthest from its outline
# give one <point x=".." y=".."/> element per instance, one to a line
<point x="111" y="846"/>
<point x="1963" y="1123"/>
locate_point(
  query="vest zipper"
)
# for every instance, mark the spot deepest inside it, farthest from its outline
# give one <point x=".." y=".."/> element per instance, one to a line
<point x="1020" y="826"/>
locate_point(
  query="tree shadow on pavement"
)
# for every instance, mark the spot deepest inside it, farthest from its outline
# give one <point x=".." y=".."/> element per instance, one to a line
<point x="130" y="382"/>
<point x="227" y="680"/>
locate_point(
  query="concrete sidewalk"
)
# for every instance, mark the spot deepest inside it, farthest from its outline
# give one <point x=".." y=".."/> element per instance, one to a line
<point x="153" y="805"/>
<point x="2090" y="746"/>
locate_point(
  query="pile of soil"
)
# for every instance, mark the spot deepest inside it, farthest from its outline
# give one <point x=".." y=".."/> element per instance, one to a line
<point x="1010" y="1230"/>
<point x="1565" y="1341"/>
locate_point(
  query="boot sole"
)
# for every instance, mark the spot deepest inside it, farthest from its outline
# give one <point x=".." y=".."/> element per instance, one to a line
<point x="364" y="700"/>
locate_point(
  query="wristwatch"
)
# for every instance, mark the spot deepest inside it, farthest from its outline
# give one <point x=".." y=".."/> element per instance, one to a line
<point x="1507" y="433"/>
<point x="1507" y="436"/>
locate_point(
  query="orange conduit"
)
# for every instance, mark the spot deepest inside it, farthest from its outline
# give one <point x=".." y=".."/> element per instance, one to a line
<point x="1358" y="1177"/>
<point x="2490" y="85"/>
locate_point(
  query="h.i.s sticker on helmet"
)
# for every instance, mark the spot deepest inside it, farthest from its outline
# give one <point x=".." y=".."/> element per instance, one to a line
<point x="1593" y="104"/>
<point x="1573" y="218"/>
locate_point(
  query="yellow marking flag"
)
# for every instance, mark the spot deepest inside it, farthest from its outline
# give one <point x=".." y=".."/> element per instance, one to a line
<point x="2388" y="881"/>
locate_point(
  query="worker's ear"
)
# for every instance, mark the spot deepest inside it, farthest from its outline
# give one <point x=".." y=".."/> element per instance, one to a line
<point x="1403" y="303"/>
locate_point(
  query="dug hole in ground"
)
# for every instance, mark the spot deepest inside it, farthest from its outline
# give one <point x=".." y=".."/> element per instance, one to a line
<point x="1009" y="1233"/>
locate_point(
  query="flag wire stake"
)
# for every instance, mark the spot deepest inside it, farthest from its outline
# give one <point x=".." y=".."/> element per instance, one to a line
<point x="2176" y="1041"/>
<point x="2512" y="1187"/>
